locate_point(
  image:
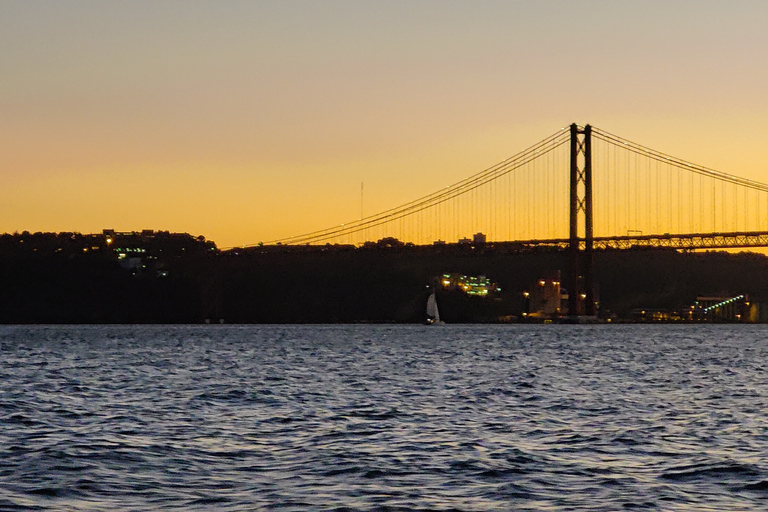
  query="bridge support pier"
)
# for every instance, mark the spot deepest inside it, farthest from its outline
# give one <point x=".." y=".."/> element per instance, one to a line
<point x="581" y="299"/>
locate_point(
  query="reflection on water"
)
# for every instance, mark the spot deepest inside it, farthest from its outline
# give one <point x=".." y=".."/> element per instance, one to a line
<point x="383" y="417"/>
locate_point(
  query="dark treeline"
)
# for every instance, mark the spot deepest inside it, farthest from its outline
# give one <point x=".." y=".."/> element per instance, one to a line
<point x="390" y="285"/>
<point x="136" y="277"/>
<point x="164" y="278"/>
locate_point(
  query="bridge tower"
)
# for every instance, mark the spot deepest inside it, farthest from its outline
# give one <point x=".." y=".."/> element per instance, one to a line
<point x="581" y="300"/>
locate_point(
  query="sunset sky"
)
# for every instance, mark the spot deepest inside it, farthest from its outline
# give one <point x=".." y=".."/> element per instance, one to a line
<point x="253" y="120"/>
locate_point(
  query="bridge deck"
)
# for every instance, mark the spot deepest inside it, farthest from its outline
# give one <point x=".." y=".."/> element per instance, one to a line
<point x="685" y="241"/>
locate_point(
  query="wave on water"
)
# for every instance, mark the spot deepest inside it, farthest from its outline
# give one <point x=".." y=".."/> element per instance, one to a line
<point x="374" y="418"/>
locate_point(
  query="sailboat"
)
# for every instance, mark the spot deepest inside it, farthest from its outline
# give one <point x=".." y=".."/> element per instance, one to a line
<point x="433" y="314"/>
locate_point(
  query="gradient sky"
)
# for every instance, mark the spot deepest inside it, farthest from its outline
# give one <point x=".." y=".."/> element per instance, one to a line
<point x="252" y="120"/>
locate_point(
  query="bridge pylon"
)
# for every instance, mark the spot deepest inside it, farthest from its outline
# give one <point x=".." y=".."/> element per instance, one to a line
<point x="581" y="299"/>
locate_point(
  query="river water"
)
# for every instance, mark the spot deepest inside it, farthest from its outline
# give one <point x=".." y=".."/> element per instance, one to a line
<point x="389" y="418"/>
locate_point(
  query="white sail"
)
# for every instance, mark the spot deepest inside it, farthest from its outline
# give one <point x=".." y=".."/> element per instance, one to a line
<point x="432" y="310"/>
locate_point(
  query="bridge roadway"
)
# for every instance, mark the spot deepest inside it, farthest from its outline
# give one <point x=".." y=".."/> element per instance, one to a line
<point x="690" y="241"/>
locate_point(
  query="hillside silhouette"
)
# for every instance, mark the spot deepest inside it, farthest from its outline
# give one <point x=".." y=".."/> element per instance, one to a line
<point x="161" y="277"/>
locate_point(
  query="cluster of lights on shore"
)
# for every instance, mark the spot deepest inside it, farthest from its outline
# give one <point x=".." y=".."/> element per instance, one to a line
<point x="543" y="282"/>
<point x="723" y="303"/>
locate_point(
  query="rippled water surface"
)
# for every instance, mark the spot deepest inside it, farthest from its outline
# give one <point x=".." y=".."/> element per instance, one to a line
<point x="384" y="418"/>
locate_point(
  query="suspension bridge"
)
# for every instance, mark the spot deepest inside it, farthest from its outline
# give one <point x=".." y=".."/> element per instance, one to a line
<point x="545" y="196"/>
